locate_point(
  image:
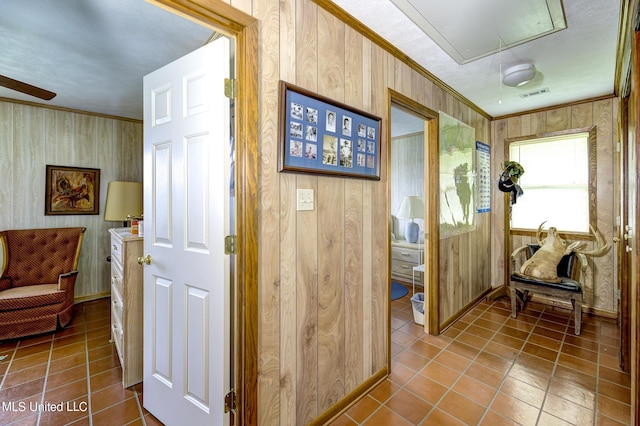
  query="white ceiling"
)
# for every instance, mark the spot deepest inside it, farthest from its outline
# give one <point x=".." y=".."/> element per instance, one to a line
<point x="574" y="64"/>
<point x="94" y="53"/>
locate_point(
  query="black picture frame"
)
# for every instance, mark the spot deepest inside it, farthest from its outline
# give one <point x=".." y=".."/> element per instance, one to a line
<point x="320" y="136"/>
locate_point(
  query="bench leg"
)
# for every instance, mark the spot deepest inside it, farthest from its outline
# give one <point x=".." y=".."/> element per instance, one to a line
<point x="514" y="302"/>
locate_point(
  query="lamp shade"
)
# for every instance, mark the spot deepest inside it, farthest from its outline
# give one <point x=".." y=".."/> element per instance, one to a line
<point x="412" y="207"/>
<point x="124" y="201"/>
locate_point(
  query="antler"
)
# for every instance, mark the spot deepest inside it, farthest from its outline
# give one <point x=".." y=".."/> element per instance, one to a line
<point x="600" y="249"/>
<point x="539" y="234"/>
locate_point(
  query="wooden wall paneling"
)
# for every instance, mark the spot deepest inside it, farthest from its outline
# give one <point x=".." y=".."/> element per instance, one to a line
<point x="418" y="92"/>
<point x="288" y="298"/>
<point x="446" y="278"/>
<point x="368" y="314"/>
<point x="133" y="152"/>
<point x="353" y="81"/>
<point x="380" y="216"/>
<point x="407" y="173"/>
<point x="306" y="44"/>
<point x="307" y="308"/>
<point x="581" y="115"/>
<point x="538" y="123"/>
<point x="367" y="228"/>
<point x="331" y="309"/>
<point x="288" y="34"/>
<point x="353" y="253"/>
<point x="437" y="98"/>
<point x="27" y="176"/>
<point x="498" y="236"/>
<point x="331" y="236"/>
<point x="403" y="78"/>
<point x="331" y="76"/>
<point x="353" y="227"/>
<point x="558" y="119"/>
<point x="289" y="342"/>
<point x="109" y="134"/>
<point x="7" y="165"/>
<point x="267" y="12"/>
<point x="603" y="272"/>
<point x="514" y="128"/>
<point x="50" y="148"/>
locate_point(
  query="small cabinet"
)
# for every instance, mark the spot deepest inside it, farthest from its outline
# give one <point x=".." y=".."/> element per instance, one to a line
<point x="127" y="302"/>
<point x="404" y="257"/>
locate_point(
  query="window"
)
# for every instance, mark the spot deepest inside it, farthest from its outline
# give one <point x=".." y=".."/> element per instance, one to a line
<point x="556" y="182"/>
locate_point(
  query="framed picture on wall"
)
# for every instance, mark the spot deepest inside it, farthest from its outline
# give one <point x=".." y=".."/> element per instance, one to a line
<point x="321" y="136"/>
<point x="71" y="190"/>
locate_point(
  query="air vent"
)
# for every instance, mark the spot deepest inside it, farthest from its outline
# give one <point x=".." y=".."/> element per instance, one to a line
<point x="537" y="92"/>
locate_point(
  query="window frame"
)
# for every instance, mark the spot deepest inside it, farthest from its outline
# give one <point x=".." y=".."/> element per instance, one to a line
<point x="592" y="185"/>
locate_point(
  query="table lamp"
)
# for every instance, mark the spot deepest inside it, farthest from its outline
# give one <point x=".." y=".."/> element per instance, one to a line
<point x="124" y="201"/>
<point x="412" y="207"/>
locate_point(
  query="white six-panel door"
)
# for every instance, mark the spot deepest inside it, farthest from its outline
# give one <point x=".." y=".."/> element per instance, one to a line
<point x="186" y="199"/>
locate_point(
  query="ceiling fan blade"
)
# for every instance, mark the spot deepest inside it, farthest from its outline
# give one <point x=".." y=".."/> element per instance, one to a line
<point x="26" y="88"/>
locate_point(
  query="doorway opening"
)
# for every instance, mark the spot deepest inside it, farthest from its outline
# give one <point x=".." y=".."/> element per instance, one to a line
<point x="413" y="171"/>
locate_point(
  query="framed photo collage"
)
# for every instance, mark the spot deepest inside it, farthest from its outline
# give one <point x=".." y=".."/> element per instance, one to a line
<point x="321" y="136"/>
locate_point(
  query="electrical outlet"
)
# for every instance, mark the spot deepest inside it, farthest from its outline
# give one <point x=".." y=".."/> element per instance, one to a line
<point x="305" y="199"/>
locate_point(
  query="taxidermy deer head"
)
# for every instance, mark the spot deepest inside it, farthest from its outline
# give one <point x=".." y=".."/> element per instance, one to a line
<point x="544" y="263"/>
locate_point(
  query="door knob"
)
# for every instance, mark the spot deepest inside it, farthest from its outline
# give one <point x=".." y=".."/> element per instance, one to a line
<point x="146" y="259"/>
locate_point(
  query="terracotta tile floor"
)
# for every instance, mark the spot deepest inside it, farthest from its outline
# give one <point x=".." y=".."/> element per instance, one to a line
<point x="491" y="369"/>
<point x="486" y="369"/>
<point x="77" y="367"/>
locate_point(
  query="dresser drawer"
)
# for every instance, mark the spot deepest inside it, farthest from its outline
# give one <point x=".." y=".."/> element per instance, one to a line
<point x="116" y="278"/>
<point x="406" y="254"/>
<point x="400" y="267"/>
<point x="117" y="305"/>
<point x="116" y="251"/>
<point x="117" y="334"/>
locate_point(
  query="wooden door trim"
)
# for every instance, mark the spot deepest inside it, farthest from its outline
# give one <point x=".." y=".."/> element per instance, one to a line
<point x="432" y="203"/>
<point x="244" y="29"/>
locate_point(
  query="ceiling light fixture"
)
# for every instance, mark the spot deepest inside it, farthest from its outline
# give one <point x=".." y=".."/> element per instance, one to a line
<point x="519" y="75"/>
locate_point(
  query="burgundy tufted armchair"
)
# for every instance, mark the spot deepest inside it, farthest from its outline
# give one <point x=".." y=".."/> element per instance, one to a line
<point x="38" y="275"/>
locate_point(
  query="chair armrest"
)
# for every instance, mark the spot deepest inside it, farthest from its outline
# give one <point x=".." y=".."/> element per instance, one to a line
<point x="583" y="262"/>
<point x="515" y="254"/>
<point x="67" y="280"/>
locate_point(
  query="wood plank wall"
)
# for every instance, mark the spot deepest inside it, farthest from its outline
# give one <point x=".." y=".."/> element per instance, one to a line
<point x="407" y="175"/>
<point x="600" y="284"/>
<point x="32" y="137"/>
<point x="323" y="274"/>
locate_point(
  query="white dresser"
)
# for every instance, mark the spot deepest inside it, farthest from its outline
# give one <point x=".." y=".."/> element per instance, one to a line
<point x="126" y="302"/>
<point x="404" y="257"/>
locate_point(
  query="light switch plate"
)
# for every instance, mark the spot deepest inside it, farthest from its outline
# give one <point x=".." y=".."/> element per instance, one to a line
<point x="305" y="199"/>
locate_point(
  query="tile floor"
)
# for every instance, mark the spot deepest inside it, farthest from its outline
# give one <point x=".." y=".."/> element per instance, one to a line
<point x="486" y="369"/>
<point x="77" y="367"/>
<point x="491" y="369"/>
